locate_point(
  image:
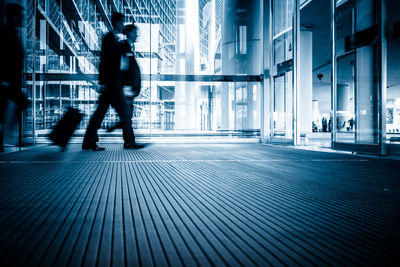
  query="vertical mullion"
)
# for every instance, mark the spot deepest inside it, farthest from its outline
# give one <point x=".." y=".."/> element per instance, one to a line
<point x="333" y="75"/>
<point x="383" y="77"/>
<point x="151" y="57"/>
<point x="296" y="65"/>
<point x="34" y="73"/>
<point x="271" y="78"/>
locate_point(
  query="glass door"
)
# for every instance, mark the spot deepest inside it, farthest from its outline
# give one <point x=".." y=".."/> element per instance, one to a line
<point x="345" y="104"/>
<point x="283" y="108"/>
<point x="393" y="77"/>
<point x="358" y="90"/>
<point x="283" y="93"/>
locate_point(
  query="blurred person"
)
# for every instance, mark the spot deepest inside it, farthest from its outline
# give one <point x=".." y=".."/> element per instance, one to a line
<point x="130" y="79"/>
<point x="11" y="67"/>
<point x="111" y="91"/>
<point x="351" y="123"/>
<point x="324" y="124"/>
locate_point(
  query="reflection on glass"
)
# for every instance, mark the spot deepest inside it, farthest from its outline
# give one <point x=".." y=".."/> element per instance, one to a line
<point x="393" y="79"/>
<point x="345" y="117"/>
<point x="175" y="37"/>
<point x="282" y="16"/>
<point x="283" y="48"/>
<point x="189" y="106"/>
<point x="282" y="105"/>
<point x="357" y="112"/>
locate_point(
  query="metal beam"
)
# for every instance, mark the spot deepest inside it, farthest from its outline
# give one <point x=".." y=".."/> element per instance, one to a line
<point x="103" y="14"/>
<point x="148" y="77"/>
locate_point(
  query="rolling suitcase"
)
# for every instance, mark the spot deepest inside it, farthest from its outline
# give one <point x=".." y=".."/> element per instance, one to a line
<point x="63" y="131"/>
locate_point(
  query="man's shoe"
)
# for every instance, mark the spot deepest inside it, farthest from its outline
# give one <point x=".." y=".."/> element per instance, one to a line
<point x="93" y="148"/>
<point x="133" y="146"/>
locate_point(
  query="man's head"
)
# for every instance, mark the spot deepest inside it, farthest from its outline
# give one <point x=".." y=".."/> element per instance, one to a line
<point x="130" y="31"/>
<point x="117" y="21"/>
<point x="14" y="14"/>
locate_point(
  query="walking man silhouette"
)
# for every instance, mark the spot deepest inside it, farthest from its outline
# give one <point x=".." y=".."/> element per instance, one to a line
<point x="11" y="66"/>
<point x="131" y="80"/>
<point x="111" y="93"/>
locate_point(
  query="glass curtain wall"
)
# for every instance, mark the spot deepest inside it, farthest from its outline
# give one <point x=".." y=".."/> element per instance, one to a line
<point x="241" y="50"/>
<point x="62" y="41"/>
<point x="393" y="73"/>
<point x="282" y="51"/>
<point x="179" y="50"/>
<point x="358" y="90"/>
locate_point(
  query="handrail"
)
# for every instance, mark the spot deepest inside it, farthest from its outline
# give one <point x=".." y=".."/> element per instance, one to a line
<point x="148" y="77"/>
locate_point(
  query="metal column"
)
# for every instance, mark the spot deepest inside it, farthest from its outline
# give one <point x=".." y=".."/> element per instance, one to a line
<point x="333" y="74"/>
<point x="383" y="78"/>
<point x="296" y="68"/>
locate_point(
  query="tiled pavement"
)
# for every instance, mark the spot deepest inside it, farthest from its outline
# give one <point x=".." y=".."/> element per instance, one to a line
<point x="202" y="204"/>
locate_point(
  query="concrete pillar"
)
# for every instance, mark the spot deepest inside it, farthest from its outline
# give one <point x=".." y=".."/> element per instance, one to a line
<point x="367" y="68"/>
<point x="366" y="97"/>
<point x="305" y="86"/>
<point x="343" y="95"/>
<point x="343" y="104"/>
<point x="241" y="44"/>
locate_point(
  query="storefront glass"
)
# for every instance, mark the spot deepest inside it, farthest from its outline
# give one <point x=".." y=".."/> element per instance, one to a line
<point x="282" y="99"/>
<point x="179" y="47"/>
<point x="358" y="74"/>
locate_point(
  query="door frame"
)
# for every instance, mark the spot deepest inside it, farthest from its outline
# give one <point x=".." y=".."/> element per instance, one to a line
<point x="379" y="148"/>
<point x="295" y="138"/>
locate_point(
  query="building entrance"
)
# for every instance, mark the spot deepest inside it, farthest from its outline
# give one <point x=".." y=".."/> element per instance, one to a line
<point x="282" y="97"/>
<point x="358" y="77"/>
<point x="283" y="108"/>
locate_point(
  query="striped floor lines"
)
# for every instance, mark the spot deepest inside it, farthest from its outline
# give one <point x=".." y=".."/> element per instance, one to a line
<point x="197" y="205"/>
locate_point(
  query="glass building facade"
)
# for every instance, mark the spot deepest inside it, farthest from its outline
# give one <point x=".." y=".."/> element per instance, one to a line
<point x="302" y="72"/>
